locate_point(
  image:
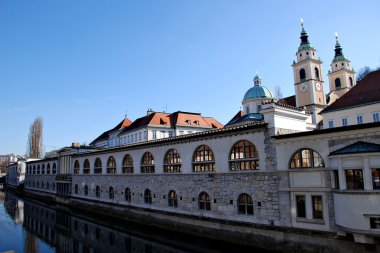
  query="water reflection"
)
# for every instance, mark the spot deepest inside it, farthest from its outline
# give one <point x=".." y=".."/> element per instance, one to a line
<point x="54" y="228"/>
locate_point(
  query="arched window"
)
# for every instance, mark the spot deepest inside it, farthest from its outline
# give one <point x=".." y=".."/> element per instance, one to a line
<point x="351" y="81"/>
<point x="111" y="165"/>
<point x="38" y="169"/>
<point x="43" y="169"/>
<point x="147" y="196"/>
<point x="98" y="166"/>
<point x="127" y="164"/>
<point x="86" y="190"/>
<point x="97" y="191"/>
<point x="147" y="163"/>
<point x="244" y="156"/>
<point x="172" y="161"/>
<point x="306" y="158"/>
<point x="54" y="168"/>
<point x="76" y="189"/>
<point x="302" y="75"/>
<point x="203" y="159"/>
<point x="337" y="83"/>
<point x="76" y="167"/>
<point x="48" y="168"/>
<point x="128" y="195"/>
<point x="316" y="71"/>
<point x="245" y="204"/>
<point x="111" y="193"/>
<point x="34" y="169"/>
<point x="86" y="167"/>
<point x="204" y="201"/>
<point x="172" y="197"/>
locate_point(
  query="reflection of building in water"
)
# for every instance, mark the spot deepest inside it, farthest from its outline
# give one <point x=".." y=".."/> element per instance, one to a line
<point x="15" y="207"/>
<point x="71" y="234"/>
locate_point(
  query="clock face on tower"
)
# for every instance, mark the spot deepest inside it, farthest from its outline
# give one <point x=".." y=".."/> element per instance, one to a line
<point x="318" y="86"/>
<point x="304" y="87"/>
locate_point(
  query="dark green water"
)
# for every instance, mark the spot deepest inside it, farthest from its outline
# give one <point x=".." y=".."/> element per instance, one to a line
<point x="30" y="226"/>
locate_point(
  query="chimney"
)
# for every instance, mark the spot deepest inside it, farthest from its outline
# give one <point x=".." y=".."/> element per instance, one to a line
<point x="75" y="145"/>
<point x="150" y="111"/>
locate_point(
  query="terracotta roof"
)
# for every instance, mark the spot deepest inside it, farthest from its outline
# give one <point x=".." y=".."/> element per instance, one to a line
<point x="104" y="136"/>
<point x="291" y="101"/>
<point x="366" y="91"/>
<point x="178" y="118"/>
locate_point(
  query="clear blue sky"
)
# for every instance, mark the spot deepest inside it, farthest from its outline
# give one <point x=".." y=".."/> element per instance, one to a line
<point x="82" y="65"/>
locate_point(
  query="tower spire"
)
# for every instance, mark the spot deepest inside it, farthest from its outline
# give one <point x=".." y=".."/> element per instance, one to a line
<point x="305" y="44"/>
<point x="338" y="50"/>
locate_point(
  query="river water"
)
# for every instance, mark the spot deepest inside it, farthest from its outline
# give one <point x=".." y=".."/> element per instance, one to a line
<point x="30" y="227"/>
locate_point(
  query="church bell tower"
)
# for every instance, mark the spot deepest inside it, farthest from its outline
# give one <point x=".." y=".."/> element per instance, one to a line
<point x="341" y="76"/>
<point x="308" y="81"/>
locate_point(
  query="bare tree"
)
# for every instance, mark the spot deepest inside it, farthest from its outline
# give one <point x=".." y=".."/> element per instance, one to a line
<point x="278" y="92"/>
<point x="34" y="146"/>
<point x="363" y="72"/>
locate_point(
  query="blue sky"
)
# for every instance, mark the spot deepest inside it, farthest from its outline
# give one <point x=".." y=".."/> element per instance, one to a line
<point x="81" y="65"/>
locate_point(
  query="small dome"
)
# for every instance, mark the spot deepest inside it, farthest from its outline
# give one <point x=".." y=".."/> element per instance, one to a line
<point x="257" y="91"/>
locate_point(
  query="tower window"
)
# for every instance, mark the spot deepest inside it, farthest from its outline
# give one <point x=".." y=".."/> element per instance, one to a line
<point x="300" y="55"/>
<point x="316" y="73"/>
<point x="351" y="81"/>
<point x="337" y="83"/>
<point x="302" y="75"/>
<point x="247" y="110"/>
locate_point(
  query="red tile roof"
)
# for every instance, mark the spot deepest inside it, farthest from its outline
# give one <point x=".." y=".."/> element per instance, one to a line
<point x="366" y="91"/>
<point x="291" y="100"/>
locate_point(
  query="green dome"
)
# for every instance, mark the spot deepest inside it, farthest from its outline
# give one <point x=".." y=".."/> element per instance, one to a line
<point x="257" y="91"/>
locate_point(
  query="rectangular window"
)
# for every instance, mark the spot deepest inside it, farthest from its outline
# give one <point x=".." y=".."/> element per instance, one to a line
<point x="189" y="132"/>
<point x="376" y="117"/>
<point x="354" y="179"/>
<point x="376" y="179"/>
<point x="317" y="207"/>
<point x="181" y="132"/>
<point x="344" y="122"/>
<point x="301" y="206"/>
<point x="170" y="133"/>
<point x="139" y="136"/>
<point x="331" y="123"/>
<point x="359" y="119"/>
<point x="374" y="222"/>
<point x="336" y="179"/>
<point x="154" y="134"/>
<point x="145" y="135"/>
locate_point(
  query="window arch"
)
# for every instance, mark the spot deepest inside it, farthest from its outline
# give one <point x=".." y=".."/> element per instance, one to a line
<point x="127" y="164"/>
<point x="316" y="71"/>
<point x="54" y="168"/>
<point x="147" y="196"/>
<point x="98" y="166"/>
<point x="97" y="191"/>
<point x="38" y="169"/>
<point x="76" y="189"/>
<point x="48" y="168"/>
<point x="43" y="169"/>
<point x="86" y="167"/>
<point x="76" y="167"/>
<point x="245" y="204"/>
<point x="302" y="75"/>
<point x="203" y="159"/>
<point x="337" y="83"/>
<point x="244" y="156"/>
<point x="351" y="81"/>
<point x="172" y="197"/>
<point x="147" y="163"/>
<point x="85" y="190"/>
<point x="128" y="195"/>
<point x="172" y="161"/>
<point x="111" y="165"/>
<point x="111" y="193"/>
<point x="204" y="201"/>
<point x="306" y="158"/>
